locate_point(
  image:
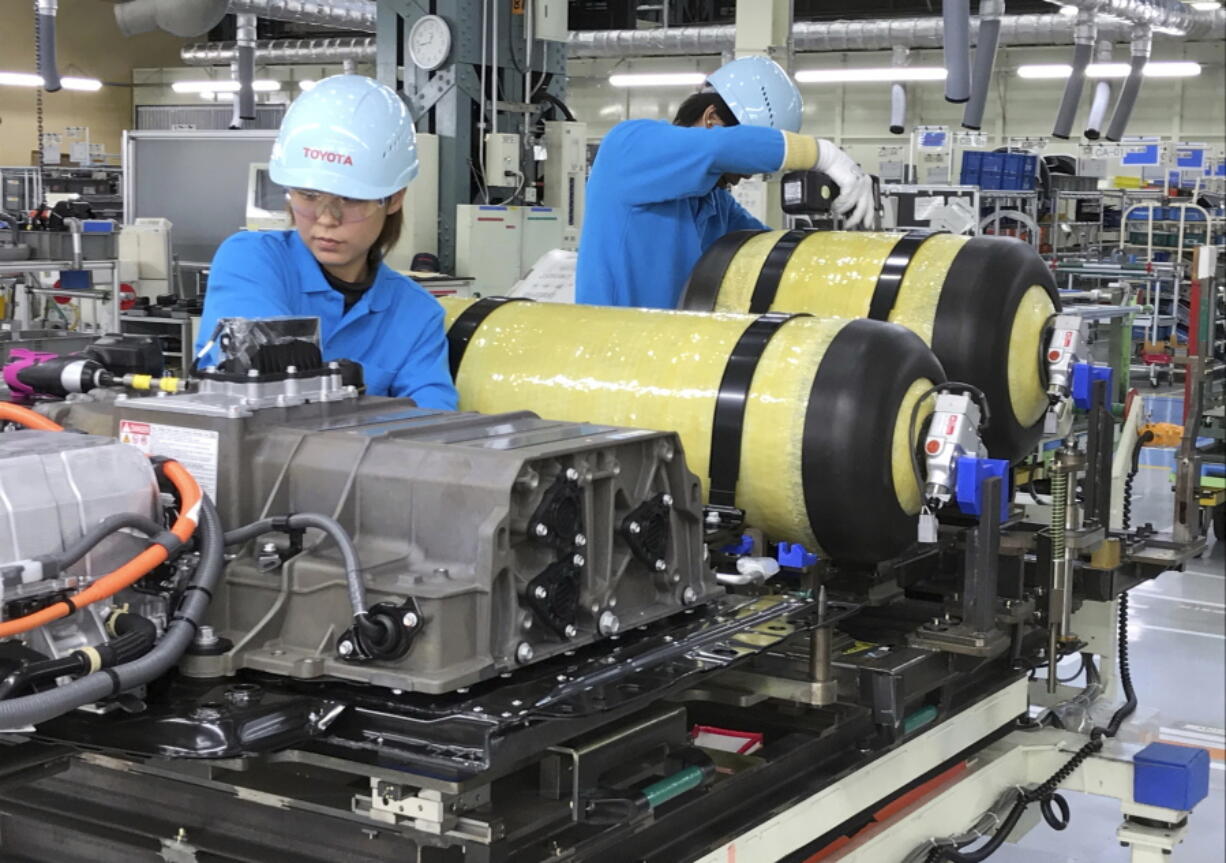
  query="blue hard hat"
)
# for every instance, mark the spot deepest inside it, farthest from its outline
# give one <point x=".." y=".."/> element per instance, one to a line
<point x="348" y="135"/>
<point x="759" y="92"/>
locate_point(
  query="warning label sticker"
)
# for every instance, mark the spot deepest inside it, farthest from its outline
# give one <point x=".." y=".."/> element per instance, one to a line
<point x="195" y="449"/>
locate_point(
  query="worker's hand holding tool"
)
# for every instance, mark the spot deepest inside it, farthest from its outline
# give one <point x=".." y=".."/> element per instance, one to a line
<point x="855" y="203"/>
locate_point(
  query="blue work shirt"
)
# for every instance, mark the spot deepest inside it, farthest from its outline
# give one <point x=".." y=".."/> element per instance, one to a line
<point x="395" y="330"/>
<point x="653" y="206"/>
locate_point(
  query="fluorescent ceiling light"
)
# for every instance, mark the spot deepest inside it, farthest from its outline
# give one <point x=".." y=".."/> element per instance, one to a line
<point x="306" y="85"/>
<point x="26" y="79"/>
<point x="1170" y="31"/>
<point x="88" y="85"/>
<point x="1068" y="10"/>
<point x="658" y="79"/>
<point x="20" y="79"/>
<point x="1171" y="69"/>
<point x="1039" y="71"/>
<point x="224" y="86"/>
<point x="1206" y="5"/>
<point x="885" y="73"/>
<point x="1174" y="69"/>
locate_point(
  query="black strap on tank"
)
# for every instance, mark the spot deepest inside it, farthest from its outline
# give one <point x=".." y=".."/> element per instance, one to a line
<point x="893" y="271"/>
<point x="465" y="326"/>
<point x="729" y="419"/>
<point x="767" y="285"/>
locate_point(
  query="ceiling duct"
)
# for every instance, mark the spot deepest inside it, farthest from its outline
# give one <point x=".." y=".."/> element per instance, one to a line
<point x="1170" y="14"/>
<point x="880" y="35"/>
<point x="336" y="14"/>
<point x="178" y="17"/>
<point x="285" y="51"/>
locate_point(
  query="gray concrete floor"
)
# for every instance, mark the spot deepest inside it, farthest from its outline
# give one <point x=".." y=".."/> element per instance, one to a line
<point x="1178" y="656"/>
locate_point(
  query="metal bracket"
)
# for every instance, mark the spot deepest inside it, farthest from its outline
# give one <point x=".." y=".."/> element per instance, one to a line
<point x="428" y="96"/>
<point x="428" y="810"/>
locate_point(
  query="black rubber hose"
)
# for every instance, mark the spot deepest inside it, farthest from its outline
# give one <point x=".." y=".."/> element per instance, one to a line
<point x="84" y="544"/>
<point x="47" y="669"/>
<point x="134" y="636"/>
<point x="32" y="709"/>
<point x="557" y="103"/>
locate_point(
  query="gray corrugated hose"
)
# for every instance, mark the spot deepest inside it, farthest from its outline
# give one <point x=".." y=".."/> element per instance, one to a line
<point x="1102" y="97"/>
<point x="898" y="108"/>
<point x="990" y="12"/>
<point x="898" y="93"/>
<point x="1141" y="46"/>
<point x="957" y="17"/>
<point x="47" y="66"/>
<point x="245" y="97"/>
<point x="1072" y="91"/>
<point x="20" y="713"/>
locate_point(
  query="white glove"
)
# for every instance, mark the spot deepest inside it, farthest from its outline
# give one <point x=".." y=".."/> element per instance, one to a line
<point x="855" y="200"/>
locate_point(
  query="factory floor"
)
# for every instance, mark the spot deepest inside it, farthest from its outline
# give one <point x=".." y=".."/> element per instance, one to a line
<point x="1177" y="648"/>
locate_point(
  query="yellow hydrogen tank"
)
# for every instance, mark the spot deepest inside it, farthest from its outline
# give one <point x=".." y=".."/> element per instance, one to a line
<point x="825" y="448"/>
<point x="982" y="303"/>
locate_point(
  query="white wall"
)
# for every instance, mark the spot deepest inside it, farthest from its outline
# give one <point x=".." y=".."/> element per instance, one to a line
<point x="857" y="115"/>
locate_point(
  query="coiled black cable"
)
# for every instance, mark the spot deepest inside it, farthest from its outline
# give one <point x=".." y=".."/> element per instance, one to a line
<point x="1145" y="438"/>
<point x="1046" y="794"/>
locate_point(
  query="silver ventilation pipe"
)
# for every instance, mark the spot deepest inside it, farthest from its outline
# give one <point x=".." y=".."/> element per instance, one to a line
<point x="990" y="13"/>
<point x="1102" y="96"/>
<point x="48" y="68"/>
<point x="339" y="14"/>
<point x="822" y="36"/>
<point x="178" y="17"/>
<point x="898" y="94"/>
<point x="244" y="99"/>
<point x="1083" y="50"/>
<point x="1142" y="43"/>
<point x="957" y="18"/>
<point x="285" y="51"/>
<point x="1169" y="14"/>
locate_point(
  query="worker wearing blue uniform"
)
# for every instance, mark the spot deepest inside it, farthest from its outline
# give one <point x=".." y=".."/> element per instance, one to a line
<point x="658" y="194"/>
<point x="346" y="151"/>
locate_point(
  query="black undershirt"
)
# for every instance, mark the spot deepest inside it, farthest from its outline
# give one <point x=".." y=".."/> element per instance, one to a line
<point x="353" y="291"/>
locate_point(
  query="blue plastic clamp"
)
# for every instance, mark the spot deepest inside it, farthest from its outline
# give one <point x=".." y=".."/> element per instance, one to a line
<point x="794" y="555"/>
<point x="968" y="486"/>
<point x="744" y="546"/>
<point x="1085" y="375"/>
<point x="1175" y="777"/>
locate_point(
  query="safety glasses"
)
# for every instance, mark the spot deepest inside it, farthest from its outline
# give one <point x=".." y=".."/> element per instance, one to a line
<point x="309" y="204"/>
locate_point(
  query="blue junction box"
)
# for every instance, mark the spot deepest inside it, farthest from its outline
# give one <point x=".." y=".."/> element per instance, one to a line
<point x="1175" y="777"/>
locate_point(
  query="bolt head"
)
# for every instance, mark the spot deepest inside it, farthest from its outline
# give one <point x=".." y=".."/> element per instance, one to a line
<point x="634" y="527"/>
<point x="524" y="652"/>
<point x="540" y="592"/>
<point x="410" y="620"/>
<point x="541" y="530"/>
<point x="345" y="648"/>
<point x="269" y="548"/>
<point x="712" y="518"/>
<point x="667" y="500"/>
<point x="580" y="540"/>
<point x="608" y="624"/>
<point x="689" y="596"/>
<point x="572" y="474"/>
<point x="578" y="560"/>
<point x="661" y="566"/>
<point x="571" y="631"/>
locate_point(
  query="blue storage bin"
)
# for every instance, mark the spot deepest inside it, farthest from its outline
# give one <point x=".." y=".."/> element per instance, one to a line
<point x="992" y="180"/>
